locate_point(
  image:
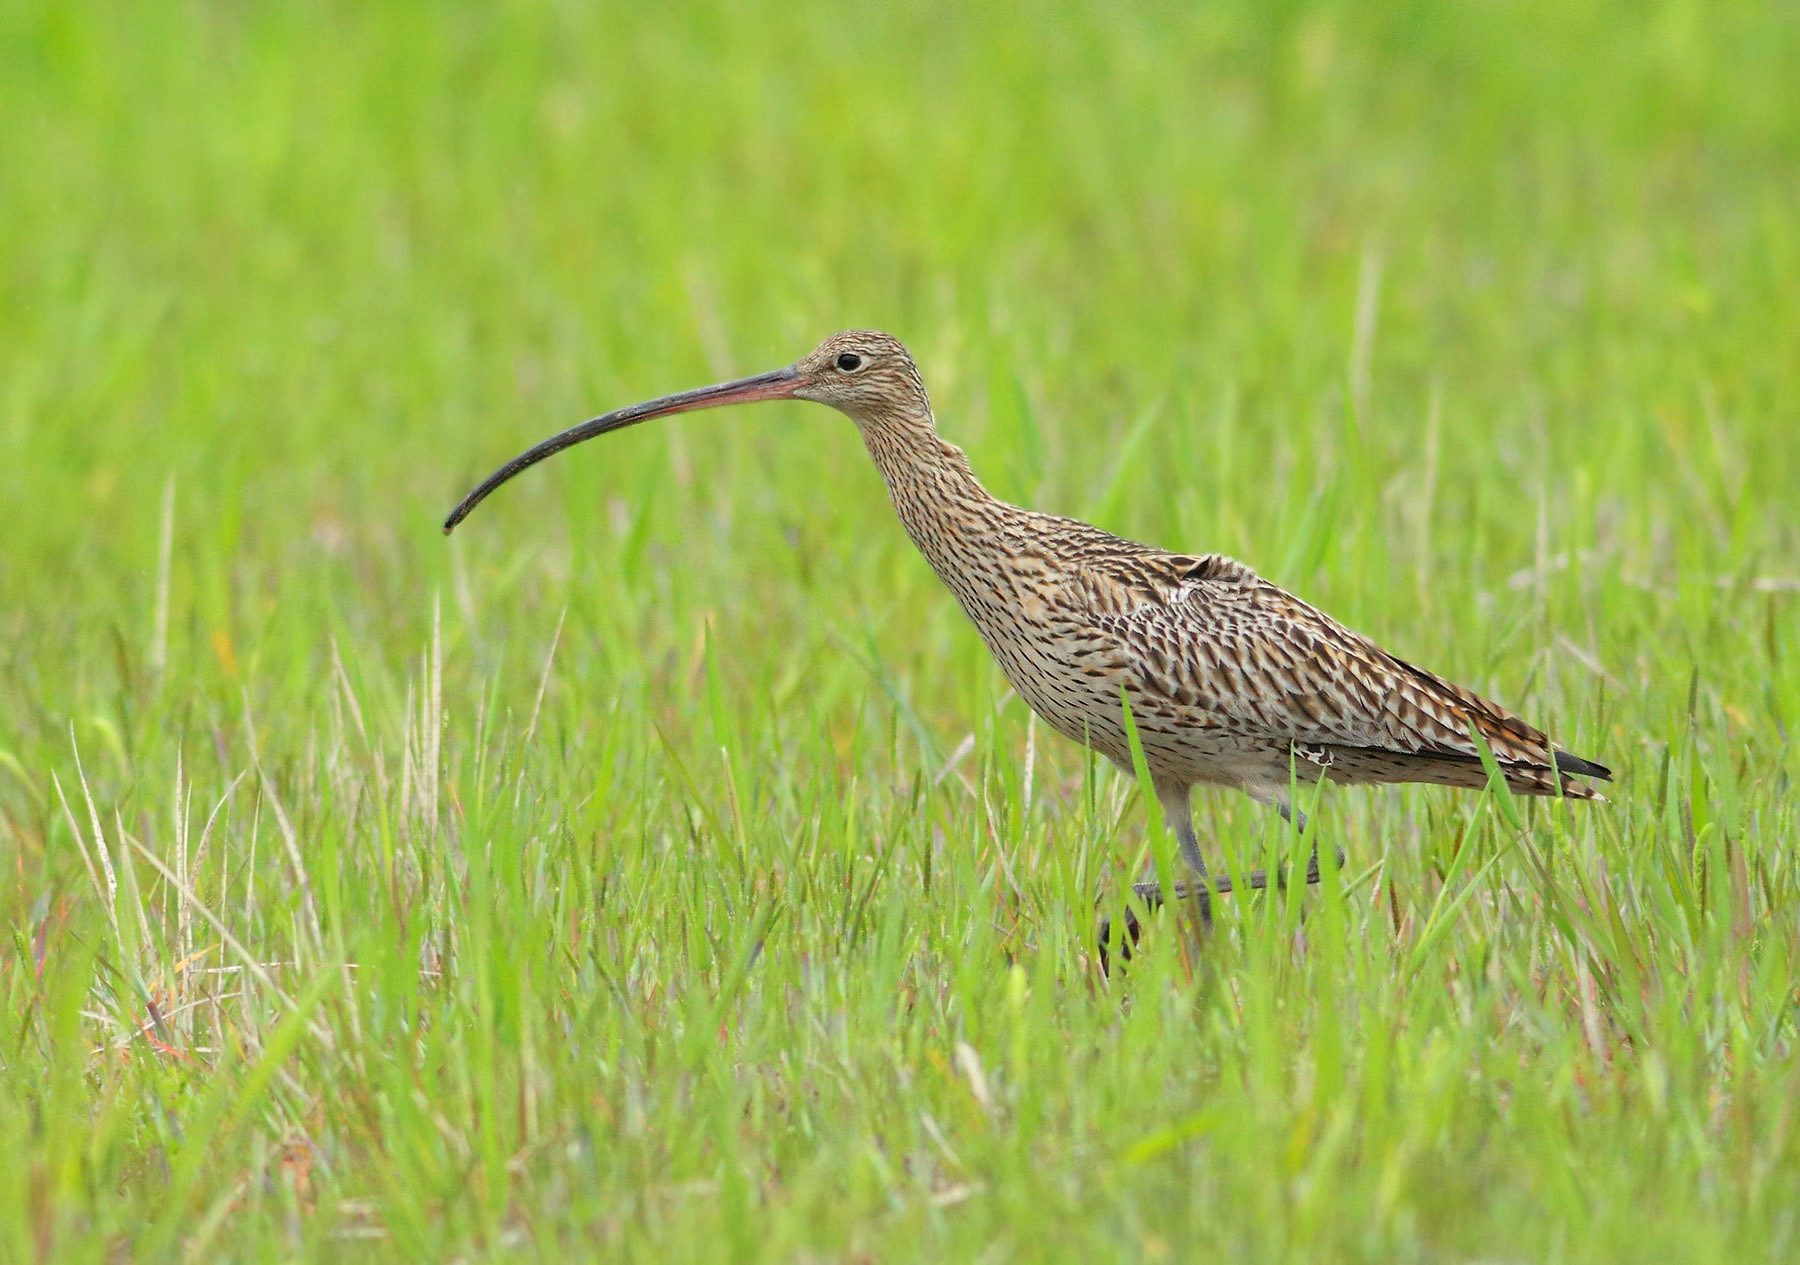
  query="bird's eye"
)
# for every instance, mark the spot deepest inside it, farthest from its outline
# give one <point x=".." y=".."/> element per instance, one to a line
<point x="849" y="362"/>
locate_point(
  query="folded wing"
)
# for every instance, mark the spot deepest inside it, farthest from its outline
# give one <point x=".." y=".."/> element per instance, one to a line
<point x="1209" y="634"/>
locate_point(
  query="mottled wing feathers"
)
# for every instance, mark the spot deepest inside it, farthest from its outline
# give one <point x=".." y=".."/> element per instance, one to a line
<point x="1210" y="635"/>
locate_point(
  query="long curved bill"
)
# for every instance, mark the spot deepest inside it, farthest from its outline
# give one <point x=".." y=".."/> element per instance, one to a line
<point x="777" y="384"/>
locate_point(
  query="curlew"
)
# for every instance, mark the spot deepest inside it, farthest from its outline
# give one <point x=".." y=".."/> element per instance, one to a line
<point x="1230" y="680"/>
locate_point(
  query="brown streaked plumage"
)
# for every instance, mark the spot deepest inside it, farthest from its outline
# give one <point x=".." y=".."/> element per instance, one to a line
<point x="1231" y="680"/>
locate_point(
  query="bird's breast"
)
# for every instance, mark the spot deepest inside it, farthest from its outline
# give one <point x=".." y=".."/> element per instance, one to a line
<point x="1046" y="647"/>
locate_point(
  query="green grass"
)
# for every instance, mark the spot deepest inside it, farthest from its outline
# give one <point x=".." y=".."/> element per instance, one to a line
<point x="659" y="869"/>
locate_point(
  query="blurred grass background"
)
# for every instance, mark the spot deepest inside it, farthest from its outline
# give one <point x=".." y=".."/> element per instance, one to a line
<point x="659" y="868"/>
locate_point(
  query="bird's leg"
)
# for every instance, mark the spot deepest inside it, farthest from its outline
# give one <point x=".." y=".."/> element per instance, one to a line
<point x="1256" y="880"/>
<point x="1175" y="807"/>
<point x="1201" y="887"/>
<point x="1179" y="814"/>
<point x="1253" y="880"/>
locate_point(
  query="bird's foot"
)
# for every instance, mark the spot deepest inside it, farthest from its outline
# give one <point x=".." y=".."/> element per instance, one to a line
<point x="1152" y="894"/>
<point x="1201" y="892"/>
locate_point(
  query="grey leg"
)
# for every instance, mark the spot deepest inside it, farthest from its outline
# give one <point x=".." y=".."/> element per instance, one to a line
<point x="1180" y="816"/>
<point x="1199" y="887"/>
<point x="1152" y="895"/>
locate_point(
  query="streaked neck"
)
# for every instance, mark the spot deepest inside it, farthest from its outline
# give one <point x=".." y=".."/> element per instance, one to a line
<point x="940" y="502"/>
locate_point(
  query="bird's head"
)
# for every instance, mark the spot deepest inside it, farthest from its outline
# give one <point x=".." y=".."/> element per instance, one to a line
<point x="864" y="374"/>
